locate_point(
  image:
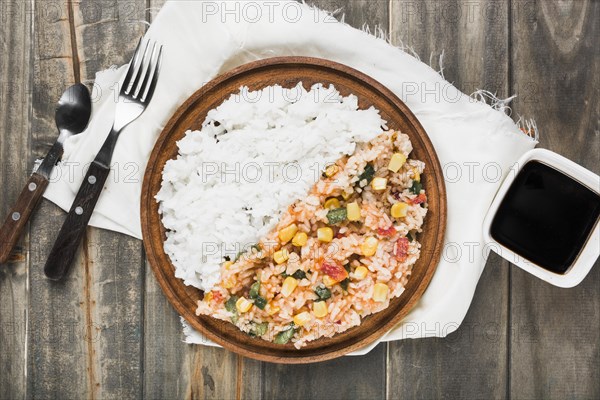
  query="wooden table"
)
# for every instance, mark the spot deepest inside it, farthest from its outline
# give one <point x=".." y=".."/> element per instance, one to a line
<point x="108" y="332"/>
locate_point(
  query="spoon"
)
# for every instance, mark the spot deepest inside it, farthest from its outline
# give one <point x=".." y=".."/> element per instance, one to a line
<point x="72" y="116"/>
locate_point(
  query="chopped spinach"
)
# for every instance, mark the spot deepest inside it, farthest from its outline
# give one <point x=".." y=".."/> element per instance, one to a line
<point x="409" y="237"/>
<point x="416" y="187"/>
<point x="285" y="336"/>
<point x="299" y="274"/>
<point x="254" y="294"/>
<point x="337" y="215"/>
<point x="254" y="246"/>
<point x="367" y="174"/>
<point x="260" y="302"/>
<point x="238" y="255"/>
<point x="254" y="290"/>
<point x="347" y="267"/>
<point x="344" y="284"/>
<point x="323" y="292"/>
<point x="258" y="329"/>
<point x="230" y="306"/>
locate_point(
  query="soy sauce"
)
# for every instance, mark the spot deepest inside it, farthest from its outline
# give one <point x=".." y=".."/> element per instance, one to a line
<point x="546" y="217"/>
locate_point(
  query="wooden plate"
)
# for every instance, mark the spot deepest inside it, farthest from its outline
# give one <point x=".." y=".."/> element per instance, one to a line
<point x="288" y="71"/>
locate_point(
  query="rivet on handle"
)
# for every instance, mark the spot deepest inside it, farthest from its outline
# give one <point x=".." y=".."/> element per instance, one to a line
<point x="32" y="186"/>
<point x="79" y="210"/>
<point x="16" y="216"/>
<point x="92" y="179"/>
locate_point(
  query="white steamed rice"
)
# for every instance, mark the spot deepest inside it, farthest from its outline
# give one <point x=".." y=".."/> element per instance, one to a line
<point x="256" y="154"/>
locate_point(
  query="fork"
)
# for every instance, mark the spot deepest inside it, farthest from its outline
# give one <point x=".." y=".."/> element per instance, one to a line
<point x="135" y="95"/>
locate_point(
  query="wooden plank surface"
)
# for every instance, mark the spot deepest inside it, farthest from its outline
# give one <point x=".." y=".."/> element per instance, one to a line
<point x="471" y="35"/>
<point x="164" y="353"/>
<point x="57" y="323"/>
<point x="98" y="309"/>
<point x="471" y="362"/>
<point x="15" y="104"/>
<point x="555" y="341"/>
<point x="108" y="331"/>
<point x="174" y="369"/>
<point x="106" y="34"/>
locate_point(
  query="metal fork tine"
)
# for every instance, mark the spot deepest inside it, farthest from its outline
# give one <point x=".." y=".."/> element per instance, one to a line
<point x="132" y="63"/>
<point x="153" y="78"/>
<point x="138" y="66"/>
<point x="147" y="66"/>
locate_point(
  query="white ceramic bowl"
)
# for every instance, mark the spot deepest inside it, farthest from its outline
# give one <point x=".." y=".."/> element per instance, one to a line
<point x="591" y="249"/>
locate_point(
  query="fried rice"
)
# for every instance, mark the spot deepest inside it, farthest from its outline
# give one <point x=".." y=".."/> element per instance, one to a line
<point x="338" y="255"/>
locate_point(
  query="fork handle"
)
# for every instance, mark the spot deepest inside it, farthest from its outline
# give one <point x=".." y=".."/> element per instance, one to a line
<point x="73" y="229"/>
<point x="19" y="215"/>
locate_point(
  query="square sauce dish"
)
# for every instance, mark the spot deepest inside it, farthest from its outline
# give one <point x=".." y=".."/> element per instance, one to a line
<point x="545" y="218"/>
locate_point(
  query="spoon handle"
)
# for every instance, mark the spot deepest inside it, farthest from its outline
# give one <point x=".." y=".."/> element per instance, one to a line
<point x="71" y="234"/>
<point x="19" y="215"/>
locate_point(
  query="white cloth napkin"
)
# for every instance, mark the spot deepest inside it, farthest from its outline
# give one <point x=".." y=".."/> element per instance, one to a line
<point x="476" y="143"/>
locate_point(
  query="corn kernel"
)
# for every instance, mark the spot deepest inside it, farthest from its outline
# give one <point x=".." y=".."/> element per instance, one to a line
<point x="399" y="210"/>
<point x="396" y="162"/>
<point x="303" y="309"/>
<point x="353" y="211"/>
<point x="369" y="246"/>
<point x="300" y="239"/>
<point x="360" y="273"/>
<point x="416" y="175"/>
<point x="331" y="170"/>
<point x="281" y="256"/>
<point x="227" y="264"/>
<point x="228" y="283"/>
<point x="289" y="285"/>
<point x="328" y="281"/>
<point x="320" y="309"/>
<point x="271" y="310"/>
<point x="325" y="234"/>
<point x="287" y="233"/>
<point x="380" y="292"/>
<point x="208" y="297"/>
<point x="332" y="203"/>
<point x="379" y="184"/>
<point x="243" y="305"/>
<point x="302" y="318"/>
<point x="346" y="196"/>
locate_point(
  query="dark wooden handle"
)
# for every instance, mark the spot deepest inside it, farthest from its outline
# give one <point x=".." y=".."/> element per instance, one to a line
<point x="19" y="215"/>
<point x="70" y="235"/>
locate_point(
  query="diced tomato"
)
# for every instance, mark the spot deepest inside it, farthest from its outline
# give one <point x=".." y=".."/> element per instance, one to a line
<point x="217" y="296"/>
<point x="421" y="198"/>
<point x="334" y="271"/>
<point x="391" y="231"/>
<point x="401" y="249"/>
